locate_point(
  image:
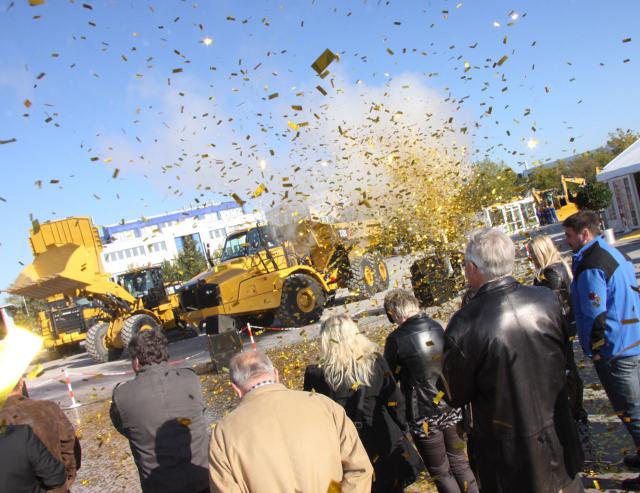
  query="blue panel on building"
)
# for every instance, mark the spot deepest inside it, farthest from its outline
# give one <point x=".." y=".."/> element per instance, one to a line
<point x="109" y="231"/>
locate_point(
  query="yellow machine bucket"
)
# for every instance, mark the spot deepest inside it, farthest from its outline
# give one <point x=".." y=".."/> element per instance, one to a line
<point x="66" y="259"/>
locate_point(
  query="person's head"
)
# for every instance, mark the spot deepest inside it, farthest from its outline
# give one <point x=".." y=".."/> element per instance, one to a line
<point x="347" y="355"/>
<point x="543" y="251"/>
<point x="250" y="368"/>
<point x="148" y="347"/>
<point x="581" y="228"/>
<point x="490" y="254"/>
<point x="400" y="305"/>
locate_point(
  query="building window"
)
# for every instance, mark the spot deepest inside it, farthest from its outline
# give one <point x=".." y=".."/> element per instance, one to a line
<point x="218" y="233"/>
<point x="121" y="255"/>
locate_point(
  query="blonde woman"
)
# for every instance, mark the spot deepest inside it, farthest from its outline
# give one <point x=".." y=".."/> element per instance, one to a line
<point x="354" y="375"/>
<point x="553" y="272"/>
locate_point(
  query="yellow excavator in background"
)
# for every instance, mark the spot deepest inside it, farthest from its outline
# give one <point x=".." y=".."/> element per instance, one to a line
<point x="67" y="264"/>
<point x="564" y="203"/>
<point x="286" y="272"/>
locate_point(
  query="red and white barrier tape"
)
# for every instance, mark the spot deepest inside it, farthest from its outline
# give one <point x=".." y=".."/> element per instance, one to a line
<point x="67" y="380"/>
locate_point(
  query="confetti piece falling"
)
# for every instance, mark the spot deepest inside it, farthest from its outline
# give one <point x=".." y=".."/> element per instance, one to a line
<point x="323" y="61"/>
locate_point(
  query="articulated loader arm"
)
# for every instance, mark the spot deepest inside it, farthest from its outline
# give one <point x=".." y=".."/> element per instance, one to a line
<point x="67" y="261"/>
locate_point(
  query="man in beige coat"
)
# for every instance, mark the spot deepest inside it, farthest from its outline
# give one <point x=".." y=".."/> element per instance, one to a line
<point x="281" y="440"/>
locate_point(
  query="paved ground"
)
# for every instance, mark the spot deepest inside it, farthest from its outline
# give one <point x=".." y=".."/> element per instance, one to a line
<point x="109" y="467"/>
<point x="93" y="382"/>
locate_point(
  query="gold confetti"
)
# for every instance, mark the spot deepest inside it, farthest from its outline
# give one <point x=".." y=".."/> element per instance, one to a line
<point x="207" y="41"/>
<point x="238" y="200"/>
<point x="323" y="61"/>
<point x="425" y="427"/>
<point x="27" y="103"/>
<point x="438" y="397"/>
<point x="292" y="125"/>
<point x="502" y="60"/>
<point x="259" y="191"/>
<point x="334" y="487"/>
<point x="273" y="96"/>
<point x="35" y="3"/>
<point x="184" y="421"/>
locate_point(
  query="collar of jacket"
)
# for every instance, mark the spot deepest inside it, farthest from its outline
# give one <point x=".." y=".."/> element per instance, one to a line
<point x="256" y="393"/>
<point x="580" y="254"/>
<point x="146" y="369"/>
<point x="495" y="285"/>
<point x="415" y="319"/>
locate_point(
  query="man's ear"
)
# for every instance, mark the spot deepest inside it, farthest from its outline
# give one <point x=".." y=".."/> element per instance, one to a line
<point x="135" y="364"/>
<point x="237" y="390"/>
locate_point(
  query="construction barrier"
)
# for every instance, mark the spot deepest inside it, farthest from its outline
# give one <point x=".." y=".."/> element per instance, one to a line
<point x="67" y="380"/>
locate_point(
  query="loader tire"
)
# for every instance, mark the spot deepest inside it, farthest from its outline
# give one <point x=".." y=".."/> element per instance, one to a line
<point x="95" y="344"/>
<point x="363" y="278"/>
<point x="135" y="324"/>
<point x="302" y="301"/>
<point x="381" y="271"/>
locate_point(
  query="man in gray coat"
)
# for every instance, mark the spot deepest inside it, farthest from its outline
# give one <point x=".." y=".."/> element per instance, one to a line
<point x="161" y="412"/>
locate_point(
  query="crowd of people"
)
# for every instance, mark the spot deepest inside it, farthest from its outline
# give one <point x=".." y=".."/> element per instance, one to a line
<point x="492" y="403"/>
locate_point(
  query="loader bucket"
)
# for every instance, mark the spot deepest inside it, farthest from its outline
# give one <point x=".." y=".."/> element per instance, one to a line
<point x="60" y="269"/>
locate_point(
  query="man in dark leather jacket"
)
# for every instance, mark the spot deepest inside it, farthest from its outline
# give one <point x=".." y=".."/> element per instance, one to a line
<point x="414" y="354"/>
<point x="505" y="355"/>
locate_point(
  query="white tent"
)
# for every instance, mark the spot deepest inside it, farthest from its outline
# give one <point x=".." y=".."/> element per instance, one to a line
<point x="627" y="162"/>
<point x="622" y="175"/>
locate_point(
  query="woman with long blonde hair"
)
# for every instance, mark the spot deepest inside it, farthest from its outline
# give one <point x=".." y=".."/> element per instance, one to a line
<point x="357" y="377"/>
<point x="554" y="273"/>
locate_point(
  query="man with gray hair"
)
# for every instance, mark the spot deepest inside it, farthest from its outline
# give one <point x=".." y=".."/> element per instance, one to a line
<point x="504" y="354"/>
<point x="284" y="440"/>
<point x="414" y="354"/>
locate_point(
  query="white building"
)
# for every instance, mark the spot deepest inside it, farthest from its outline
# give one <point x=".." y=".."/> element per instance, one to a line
<point x="622" y="174"/>
<point x="152" y="240"/>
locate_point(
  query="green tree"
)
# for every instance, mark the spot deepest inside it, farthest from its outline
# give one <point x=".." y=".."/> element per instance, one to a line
<point x="189" y="263"/>
<point x="595" y="196"/>
<point x="491" y="183"/>
<point x="621" y="139"/>
<point x="27" y="309"/>
<point x="545" y="177"/>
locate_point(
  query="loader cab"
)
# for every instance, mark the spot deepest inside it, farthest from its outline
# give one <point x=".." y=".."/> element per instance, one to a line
<point x="250" y="242"/>
<point x="147" y="284"/>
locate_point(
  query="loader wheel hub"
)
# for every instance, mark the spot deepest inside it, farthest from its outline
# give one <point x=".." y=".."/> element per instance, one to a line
<point x="369" y="277"/>
<point x="382" y="269"/>
<point x="306" y="300"/>
<point x="145" y="326"/>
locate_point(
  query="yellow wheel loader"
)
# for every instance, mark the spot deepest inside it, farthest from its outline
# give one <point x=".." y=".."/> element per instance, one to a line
<point x="64" y="323"/>
<point x="285" y="272"/>
<point x="67" y="263"/>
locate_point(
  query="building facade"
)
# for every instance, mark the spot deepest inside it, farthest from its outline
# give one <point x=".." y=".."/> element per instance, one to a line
<point x="150" y="241"/>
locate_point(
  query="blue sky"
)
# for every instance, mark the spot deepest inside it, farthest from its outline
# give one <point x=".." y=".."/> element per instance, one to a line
<point x="114" y="91"/>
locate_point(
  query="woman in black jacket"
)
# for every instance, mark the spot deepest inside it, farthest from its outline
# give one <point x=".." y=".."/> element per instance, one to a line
<point x="355" y="376"/>
<point x="555" y="274"/>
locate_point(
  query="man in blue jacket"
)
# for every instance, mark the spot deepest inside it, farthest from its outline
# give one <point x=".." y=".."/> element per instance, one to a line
<point x="605" y="300"/>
